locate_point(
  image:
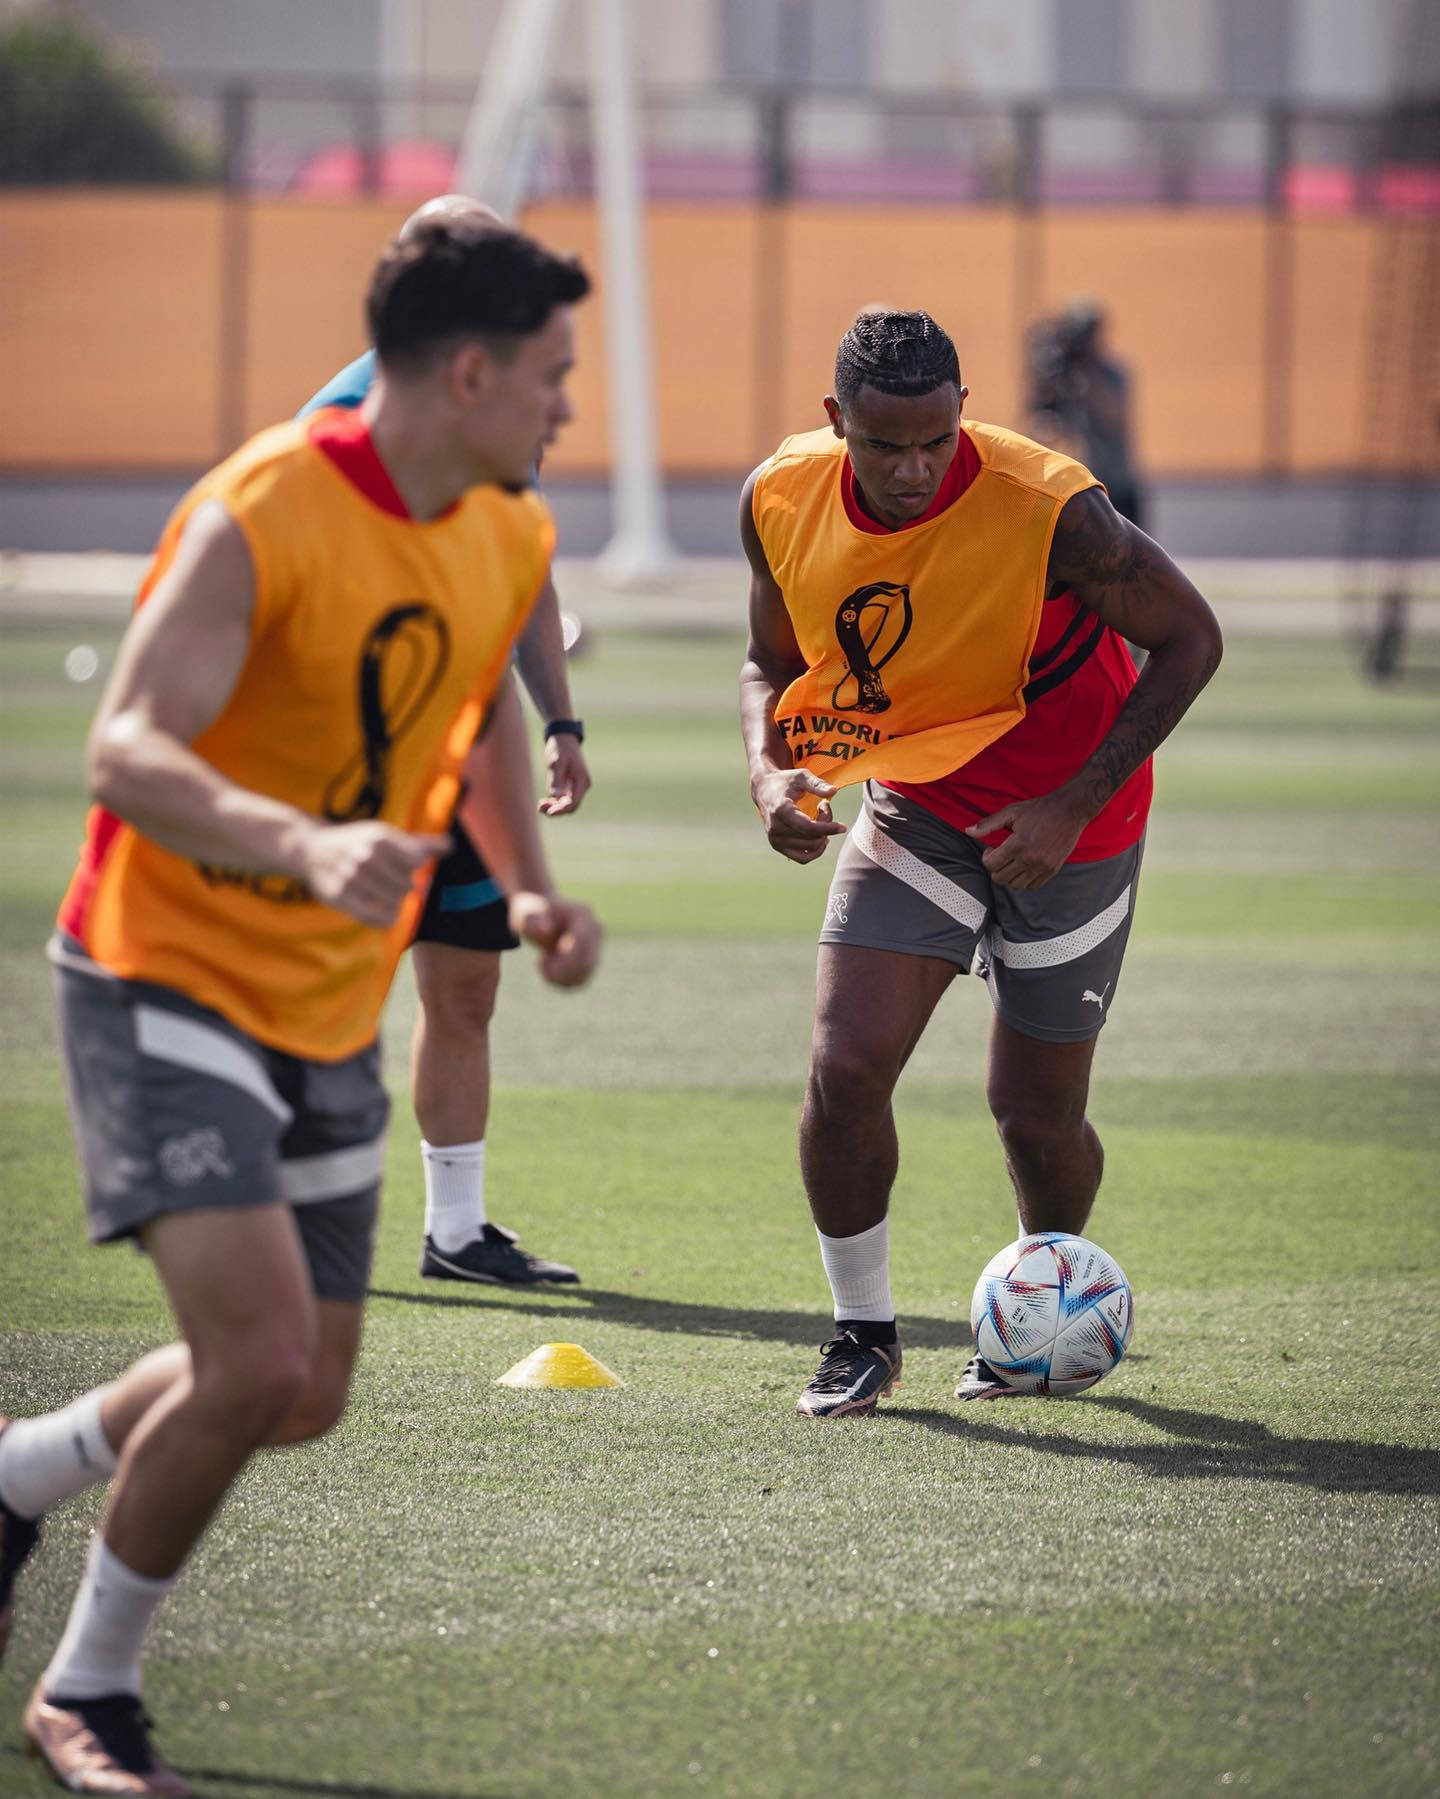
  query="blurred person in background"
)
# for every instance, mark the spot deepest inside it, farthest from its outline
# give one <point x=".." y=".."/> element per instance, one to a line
<point x="290" y="724"/>
<point x="937" y="608"/>
<point x="1079" y="401"/>
<point x="463" y="931"/>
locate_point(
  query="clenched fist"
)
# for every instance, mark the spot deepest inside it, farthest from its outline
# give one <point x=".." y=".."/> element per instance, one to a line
<point x="367" y="870"/>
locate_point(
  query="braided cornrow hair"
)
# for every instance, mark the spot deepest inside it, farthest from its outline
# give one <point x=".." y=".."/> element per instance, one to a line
<point x="896" y="352"/>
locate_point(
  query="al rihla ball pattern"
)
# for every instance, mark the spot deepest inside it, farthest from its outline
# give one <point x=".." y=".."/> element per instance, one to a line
<point x="1052" y="1313"/>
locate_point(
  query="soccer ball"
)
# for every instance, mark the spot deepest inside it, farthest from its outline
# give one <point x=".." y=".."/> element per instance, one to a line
<point x="1052" y="1314"/>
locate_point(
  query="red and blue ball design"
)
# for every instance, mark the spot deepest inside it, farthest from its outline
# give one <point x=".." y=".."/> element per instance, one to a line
<point x="1052" y="1313"/>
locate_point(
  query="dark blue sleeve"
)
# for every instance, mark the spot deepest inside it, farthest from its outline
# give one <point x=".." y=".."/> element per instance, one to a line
<point x="348" y="388"/>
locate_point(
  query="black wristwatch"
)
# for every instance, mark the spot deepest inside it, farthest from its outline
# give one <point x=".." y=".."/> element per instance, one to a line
<point x="566" y="727"/>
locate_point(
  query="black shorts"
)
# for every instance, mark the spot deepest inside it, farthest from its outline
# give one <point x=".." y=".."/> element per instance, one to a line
<point x="465" y="907"/>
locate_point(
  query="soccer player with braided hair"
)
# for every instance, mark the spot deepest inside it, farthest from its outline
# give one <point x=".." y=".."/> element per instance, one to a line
<point x="938" y="609"/>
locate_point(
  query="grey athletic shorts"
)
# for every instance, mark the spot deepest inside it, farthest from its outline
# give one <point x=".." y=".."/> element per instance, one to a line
<point x="907" y="881"/>
<point x="175" y="1109"/>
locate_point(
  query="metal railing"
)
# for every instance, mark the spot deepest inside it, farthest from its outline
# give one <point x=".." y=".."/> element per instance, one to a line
<point x="306" y="135"/>
<point x="786" y="151"/>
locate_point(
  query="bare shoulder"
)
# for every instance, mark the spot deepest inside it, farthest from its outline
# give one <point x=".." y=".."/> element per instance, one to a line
<point x="184" y="648"/>
<point x="747" y="491"/>
<point x="198" y="614"/>
<point x="1095" y="548"/>
<point x="749" y="535"/>
<point x="1125" y="577"/>
<point x="213" y="559"/>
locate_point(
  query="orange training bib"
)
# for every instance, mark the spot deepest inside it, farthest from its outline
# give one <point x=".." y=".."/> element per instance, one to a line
<point x="916" y="642"/>
<point x="375" y="643"/>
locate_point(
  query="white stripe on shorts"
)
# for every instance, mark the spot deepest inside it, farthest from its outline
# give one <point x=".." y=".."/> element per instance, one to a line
<point x="1047" y="951"/>
<point x="61" y="956"/>
<point x="896" y="860"/>
<point x="189" y="1043"/>
<point x="334" y="1174"/>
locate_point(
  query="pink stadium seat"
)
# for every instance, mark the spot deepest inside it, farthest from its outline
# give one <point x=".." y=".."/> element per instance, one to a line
<point x="417" y="167"/>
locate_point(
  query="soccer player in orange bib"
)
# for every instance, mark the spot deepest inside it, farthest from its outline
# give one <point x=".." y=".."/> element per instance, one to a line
<point x="290" y="724"/>
<point x="937" y="609"/>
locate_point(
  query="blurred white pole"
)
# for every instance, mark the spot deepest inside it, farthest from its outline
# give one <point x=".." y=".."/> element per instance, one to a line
<point x="640" y="550"/>
<point x="400" y="66"/>
<point x="494" y="158"/>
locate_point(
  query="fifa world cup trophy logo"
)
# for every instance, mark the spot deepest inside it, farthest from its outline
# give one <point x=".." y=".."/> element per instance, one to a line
<point x="401" y="665"/>
<point x="870" y="627"/>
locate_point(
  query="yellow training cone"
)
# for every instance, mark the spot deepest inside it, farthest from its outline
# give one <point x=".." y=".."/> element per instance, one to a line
<point x="559" y="1365"/>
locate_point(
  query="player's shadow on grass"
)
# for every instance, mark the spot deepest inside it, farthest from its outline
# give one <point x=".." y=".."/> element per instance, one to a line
<point x="676" y="1315"/>
<point x="1208" y="1446"/>
<point x="279" y="1783"/>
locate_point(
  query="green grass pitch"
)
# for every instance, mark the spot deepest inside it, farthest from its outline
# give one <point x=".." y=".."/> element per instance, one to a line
<point x="1216" y="1571"/>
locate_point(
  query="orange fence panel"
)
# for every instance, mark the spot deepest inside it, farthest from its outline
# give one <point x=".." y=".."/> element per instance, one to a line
<point x="308" y="264"/>
<point x="1334" y="271"/>
<point x="109" y="329"/>
<point x="1184" y="293"/>
<point x="958" y="264"/>
<point x="703" y="271"/>
<point x="144" y="330"/>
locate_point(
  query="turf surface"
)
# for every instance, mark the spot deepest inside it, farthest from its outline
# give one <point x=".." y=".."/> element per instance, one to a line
<point x="1217" y="1570"/>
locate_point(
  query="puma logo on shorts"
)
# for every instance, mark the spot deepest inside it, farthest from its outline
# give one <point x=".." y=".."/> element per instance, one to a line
<point x="909" y="882"/>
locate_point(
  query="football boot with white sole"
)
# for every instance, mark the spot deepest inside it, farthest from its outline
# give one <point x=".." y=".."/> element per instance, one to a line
<point x="853" y="1375"/>
<point x="980" y="1381"/>
<point x="495" y="1258"/>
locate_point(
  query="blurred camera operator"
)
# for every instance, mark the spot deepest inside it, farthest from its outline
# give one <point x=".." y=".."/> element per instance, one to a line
<point x="1079" y="401"/>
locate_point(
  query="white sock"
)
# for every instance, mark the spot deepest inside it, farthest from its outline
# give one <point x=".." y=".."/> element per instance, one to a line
<point x="44" y="1460"/>
<point x="858" y="1269"/>
<point x="454" y="1192"/>
<point x="100" y="1651"/>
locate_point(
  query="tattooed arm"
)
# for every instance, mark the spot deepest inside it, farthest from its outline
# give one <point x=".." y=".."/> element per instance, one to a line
<point x="1125" y="578"/>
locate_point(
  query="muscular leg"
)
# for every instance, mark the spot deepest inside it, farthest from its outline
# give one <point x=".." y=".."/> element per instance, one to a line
<point x="321" y="1403"/>
<point x="212" y="1396"/>
<point x="47" y="1459"/>
<point x="871" y="1007"/>
<point x="1037" y="1093"/>
<point x="450" y="1051"/>
<point x="241" y="1293"/>
<point x="450" y="1086"/>
<point x="238" y="1283"/>
<point x="139" y="1387"/>
<point x="155" y="1377"/>
<point x="317" y="1408"/>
